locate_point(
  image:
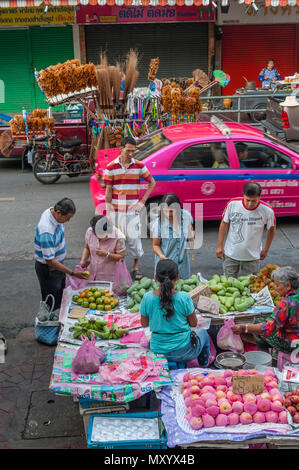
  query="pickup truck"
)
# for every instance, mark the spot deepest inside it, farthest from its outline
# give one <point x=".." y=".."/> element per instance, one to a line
<point x="282" y="121"/>
<point x="69" y="131"/>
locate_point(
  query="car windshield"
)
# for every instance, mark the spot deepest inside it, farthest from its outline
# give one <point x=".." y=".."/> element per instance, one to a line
<point x="150" y="144"/>
<point x="293" y="147"/>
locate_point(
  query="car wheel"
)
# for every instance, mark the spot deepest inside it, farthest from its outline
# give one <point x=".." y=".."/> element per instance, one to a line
<point x="256" y="115"/>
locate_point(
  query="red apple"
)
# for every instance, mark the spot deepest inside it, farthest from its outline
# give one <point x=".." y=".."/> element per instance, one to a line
<point x="287" y="402"/>
<point x="295" y="399"/>
<point x="296" y="418"/>
<point x="292" y="410"/>
<point x="288" y="394"/>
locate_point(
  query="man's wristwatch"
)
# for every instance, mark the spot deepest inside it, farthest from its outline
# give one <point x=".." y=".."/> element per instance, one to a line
<point x="72" y="273"/>
<point x="246" y="328"/>
<point x="108" y="254"/>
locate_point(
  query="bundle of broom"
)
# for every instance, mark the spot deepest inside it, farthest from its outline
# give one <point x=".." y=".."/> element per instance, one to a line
<point x="131" y="74"/>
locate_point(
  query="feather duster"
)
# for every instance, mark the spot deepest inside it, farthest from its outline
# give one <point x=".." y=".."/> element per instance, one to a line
<point x="7" y="143"/>
<point x="153" y="69"/>
<point x="131" y="73"/>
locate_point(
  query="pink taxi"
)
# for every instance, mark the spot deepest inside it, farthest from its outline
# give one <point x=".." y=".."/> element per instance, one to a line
<point x="209" y="163"/>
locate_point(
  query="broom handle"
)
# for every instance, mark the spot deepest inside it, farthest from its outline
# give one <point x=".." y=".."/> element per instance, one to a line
<point x="87" y="109"/>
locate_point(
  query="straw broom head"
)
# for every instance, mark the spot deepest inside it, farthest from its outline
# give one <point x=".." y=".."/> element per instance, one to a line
<point x="200" y="78"/>
<point x="115" y="80"/>
<point x="104" y="90"/>
<point x="131" y="72"/>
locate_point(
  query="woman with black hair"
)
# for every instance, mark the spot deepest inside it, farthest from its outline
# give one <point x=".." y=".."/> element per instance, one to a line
<point x="170" y="316"/>
<point x="171" y="232"/>
<point x="104" y="246"/>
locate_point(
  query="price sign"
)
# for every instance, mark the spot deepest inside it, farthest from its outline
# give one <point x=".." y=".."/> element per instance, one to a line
<point x="248" y="384"/>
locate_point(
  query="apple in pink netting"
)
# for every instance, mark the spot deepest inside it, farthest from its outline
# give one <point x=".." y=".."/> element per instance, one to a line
<point x="233" y="419"/>
<point x="271" y="416"/>
<point x="249" y="397"/>
<point x="237" y="407"/>
<point x="245" y="418"/>
<point x="213" y="411"/>
<point x="259" y="417"/>
<point x="250" y="407"/>
<point x="208" y="389"/>
<point x="225" y="408"/>
<point x="283" y="417"/>
<point x="221" y="420"/>
<point x="208" y="421"/>
<point x="264" y="405"/>
<point x="196" y="423"/>
<point x="198" y="410"/>
<point x="276" y="406"/>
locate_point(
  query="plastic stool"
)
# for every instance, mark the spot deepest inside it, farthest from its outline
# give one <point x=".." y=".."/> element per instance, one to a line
<point x="177" y="365"/>
<point x="282" y="358"/>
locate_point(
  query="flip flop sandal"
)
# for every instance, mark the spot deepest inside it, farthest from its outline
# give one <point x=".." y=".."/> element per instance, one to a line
<point x="4" y="342"/>
<point x="135" y="273"/>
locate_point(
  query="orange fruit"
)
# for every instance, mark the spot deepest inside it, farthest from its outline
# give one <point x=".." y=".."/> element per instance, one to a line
<point x="93" y="306"/>
<point x="82" y="294"/>
<point x="107" y="307"/>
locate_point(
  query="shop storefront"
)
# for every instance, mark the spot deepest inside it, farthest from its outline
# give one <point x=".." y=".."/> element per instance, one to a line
<point x="251" y="37"/>
<point x="178" y="35"/>
<point x="26" y="47"/>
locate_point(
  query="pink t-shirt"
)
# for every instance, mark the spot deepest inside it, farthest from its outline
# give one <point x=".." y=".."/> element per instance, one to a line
<point x="100" y="267"/>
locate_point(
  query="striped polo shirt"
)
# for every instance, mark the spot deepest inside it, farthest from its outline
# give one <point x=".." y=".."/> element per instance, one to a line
<point x="125" y="182"/>
<point x="49" y="241"/>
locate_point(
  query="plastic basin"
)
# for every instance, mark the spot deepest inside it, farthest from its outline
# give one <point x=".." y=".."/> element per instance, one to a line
<point x="257" y="358"/>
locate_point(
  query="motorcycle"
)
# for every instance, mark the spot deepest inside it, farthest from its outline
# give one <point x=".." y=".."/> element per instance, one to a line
<point x="59" y="158"/>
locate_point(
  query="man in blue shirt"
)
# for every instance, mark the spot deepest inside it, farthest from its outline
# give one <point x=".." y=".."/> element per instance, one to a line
<point x="269" y="74"/>
<point x="50" y="250"/>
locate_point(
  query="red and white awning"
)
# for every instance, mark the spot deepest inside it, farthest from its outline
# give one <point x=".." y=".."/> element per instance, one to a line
<point x="37" y="3"/>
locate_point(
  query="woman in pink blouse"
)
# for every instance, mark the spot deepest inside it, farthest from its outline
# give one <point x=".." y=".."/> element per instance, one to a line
<point x="104" y="247"/>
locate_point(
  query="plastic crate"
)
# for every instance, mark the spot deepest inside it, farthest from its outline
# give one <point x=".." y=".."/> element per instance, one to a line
<point x="160" y="443"/>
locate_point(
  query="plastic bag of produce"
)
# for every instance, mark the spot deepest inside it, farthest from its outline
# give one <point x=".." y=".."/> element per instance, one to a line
<point x="227" y="340"/>
<point x="122" y="279"/>
<point x="88" y="358"/>
<point x="76" y="283"/>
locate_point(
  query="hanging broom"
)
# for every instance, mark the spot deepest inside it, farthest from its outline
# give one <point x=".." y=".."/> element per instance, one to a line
<point x="131" y="74"/>
<point x="7" y="143"/>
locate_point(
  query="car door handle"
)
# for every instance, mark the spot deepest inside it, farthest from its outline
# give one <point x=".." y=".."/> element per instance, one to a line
<point x="179" y="177"/>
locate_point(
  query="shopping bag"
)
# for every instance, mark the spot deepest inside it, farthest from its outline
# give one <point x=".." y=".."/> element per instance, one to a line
<point x="88" y="357"/>
<point x="122" y="279"/>
<point x="227" y="340"/>
<point x="47" y="326"/>
<point x="74" y="282"/>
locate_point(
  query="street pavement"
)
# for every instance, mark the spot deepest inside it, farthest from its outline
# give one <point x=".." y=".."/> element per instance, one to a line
<point x="31" y="416"/>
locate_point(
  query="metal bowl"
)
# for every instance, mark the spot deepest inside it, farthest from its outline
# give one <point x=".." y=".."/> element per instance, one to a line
<point x="230" y="360"/>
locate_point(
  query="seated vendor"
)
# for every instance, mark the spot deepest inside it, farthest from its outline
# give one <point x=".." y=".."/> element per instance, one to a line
<point x="170" y="316"/>
<point x="104" y="247"/>
<point x="281" y="329"/>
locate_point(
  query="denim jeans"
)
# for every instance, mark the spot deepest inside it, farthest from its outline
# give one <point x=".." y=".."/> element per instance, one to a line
<point x="201" y="351"/>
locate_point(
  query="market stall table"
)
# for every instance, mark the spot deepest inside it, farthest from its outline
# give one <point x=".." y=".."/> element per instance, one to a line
<point x="180" y="434"/>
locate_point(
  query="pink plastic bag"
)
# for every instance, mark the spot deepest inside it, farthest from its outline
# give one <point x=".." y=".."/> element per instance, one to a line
<point x="88" y="358"/>
<point x="213" y="352"/>
<point x="227" y="340"/>
<point x="122" y="279"/>
<point x="76" y="283"/>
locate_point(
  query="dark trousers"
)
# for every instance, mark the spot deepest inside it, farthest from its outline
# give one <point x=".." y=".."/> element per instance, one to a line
<point x="51" y="281"/>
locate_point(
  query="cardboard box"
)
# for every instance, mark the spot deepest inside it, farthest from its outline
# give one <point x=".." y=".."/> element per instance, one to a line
<point x="208" y="305"/>
<point x="203" y="289"/>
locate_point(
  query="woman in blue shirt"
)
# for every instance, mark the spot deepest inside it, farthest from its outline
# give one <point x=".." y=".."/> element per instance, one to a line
<point x="269" y="74"/>
<point x="170" y="316"/>
<point x="171" y="232"/>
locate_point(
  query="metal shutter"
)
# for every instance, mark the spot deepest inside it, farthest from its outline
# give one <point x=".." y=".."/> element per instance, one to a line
<point x="181" y="47"/>
<point x="246" y="49"/>
<point x="49" y="46"/>
<point x="14" y="70"/>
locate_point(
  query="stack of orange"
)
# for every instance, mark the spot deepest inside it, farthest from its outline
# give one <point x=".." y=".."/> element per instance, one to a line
<point x="96" y="299"/>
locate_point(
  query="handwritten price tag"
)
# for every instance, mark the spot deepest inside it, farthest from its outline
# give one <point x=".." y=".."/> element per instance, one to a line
<point x="248" y="384"/>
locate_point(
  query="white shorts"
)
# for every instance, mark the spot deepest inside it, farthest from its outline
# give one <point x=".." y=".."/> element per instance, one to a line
<point x="130" y="226"/>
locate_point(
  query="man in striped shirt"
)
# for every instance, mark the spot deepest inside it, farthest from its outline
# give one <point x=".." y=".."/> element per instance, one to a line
<point x="123" y="204"/>
<point x="50" y="250"/>
<point x="243" y="223"/>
